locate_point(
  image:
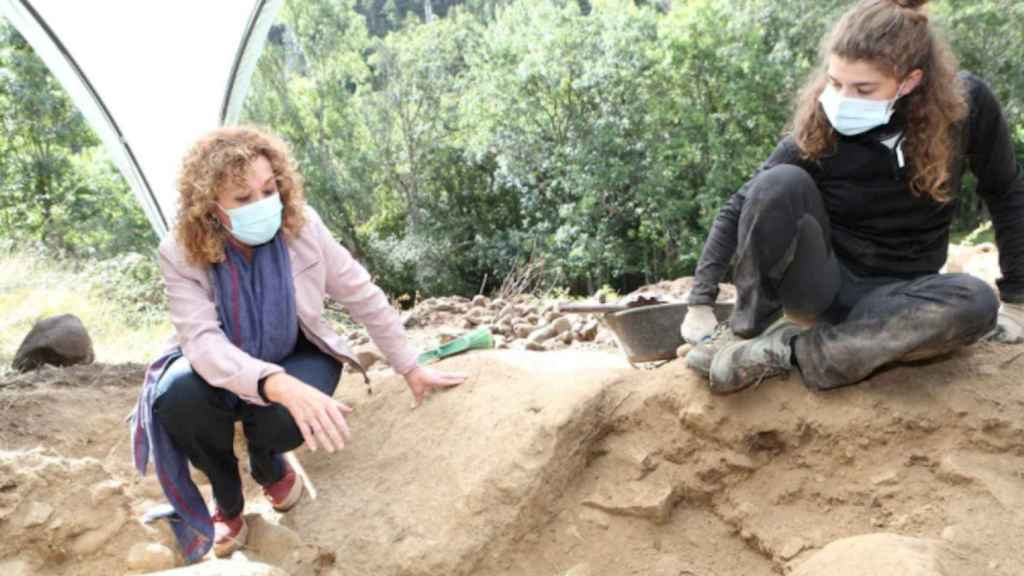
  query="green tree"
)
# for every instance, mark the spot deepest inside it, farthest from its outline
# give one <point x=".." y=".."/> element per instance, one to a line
<point x="304" y="89"/>
<point x="58" y="187"/>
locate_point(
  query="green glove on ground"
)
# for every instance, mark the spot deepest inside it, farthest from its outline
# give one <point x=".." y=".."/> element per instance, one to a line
<point x="478" y="339"/>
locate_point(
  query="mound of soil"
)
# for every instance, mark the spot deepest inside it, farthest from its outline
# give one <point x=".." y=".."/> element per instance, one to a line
<point x="561" y="462"/>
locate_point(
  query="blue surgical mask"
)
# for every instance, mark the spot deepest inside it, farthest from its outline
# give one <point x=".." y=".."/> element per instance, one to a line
<point x="852" y="116"/>
<point x="256" y="223"/>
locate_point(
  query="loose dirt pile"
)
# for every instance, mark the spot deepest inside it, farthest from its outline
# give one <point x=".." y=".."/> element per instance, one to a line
<point x="563" y="462"/>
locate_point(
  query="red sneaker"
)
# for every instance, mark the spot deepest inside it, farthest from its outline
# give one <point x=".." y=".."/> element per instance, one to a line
<point x="228" y="534"/>
<point x="286" y="492"/>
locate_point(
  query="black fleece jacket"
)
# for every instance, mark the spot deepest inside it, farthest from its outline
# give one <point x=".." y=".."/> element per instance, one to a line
<point x="878" y="226"/>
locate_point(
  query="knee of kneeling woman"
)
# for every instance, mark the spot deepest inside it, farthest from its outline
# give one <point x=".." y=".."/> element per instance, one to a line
<point x="781" y="181"/>
<point x="980" y="305"/>
<point x="183" y="398"/>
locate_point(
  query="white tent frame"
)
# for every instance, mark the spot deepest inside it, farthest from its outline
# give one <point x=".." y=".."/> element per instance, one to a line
<point x="49" y="47"/>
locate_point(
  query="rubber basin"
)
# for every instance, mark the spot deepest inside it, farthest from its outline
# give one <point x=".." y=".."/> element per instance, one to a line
<point x="651" y="333"/>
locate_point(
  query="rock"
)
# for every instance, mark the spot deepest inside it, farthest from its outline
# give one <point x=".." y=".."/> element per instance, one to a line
<point x="36" y="514"/>
<point x="368" y="355"/>
<point x="58" y="341"/>
<point x="105" y="490"/>
<point x="542" y="334"/>
<point x="700" y="416"/>
<point x="567" y="338"/>
<point x="478" y="316"/>
<point x="589" y="331"/>
<point x="535" y="346"/>
<point x="150" y="557"/>
<point x="652" y="498"/>
<point x="953" y="471"/>
<point x="92" y="540"/>
<point x="272" y="542"/>
<point x="561" y="325"/>
<point x="791" y="547"/>
<point x="523" y="330"/>
<point x="533" y="318"/>
<point x="550" y="316"/>
<point x="875" y="554"/>
<point x="224" y="568"/>
<point x="479" y="301"/>
<point x="442" y="306"/>
<point x="509" y="311"/>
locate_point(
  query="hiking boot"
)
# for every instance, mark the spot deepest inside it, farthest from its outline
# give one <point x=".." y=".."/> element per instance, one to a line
<point x="286" y="492"/>
<point x="229" y="534"/>
<point x="748" y="362"/>
<point x="700" y="356"/>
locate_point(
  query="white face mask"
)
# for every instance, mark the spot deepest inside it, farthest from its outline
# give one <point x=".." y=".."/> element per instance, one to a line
<point x="258" y="222"/>
<point x="852" y="116"/>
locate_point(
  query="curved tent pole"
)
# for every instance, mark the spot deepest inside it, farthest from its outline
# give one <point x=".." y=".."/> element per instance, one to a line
<point x="249" y="50"/>
<point x="46" y="42"/>
<point x="62" y="64"/>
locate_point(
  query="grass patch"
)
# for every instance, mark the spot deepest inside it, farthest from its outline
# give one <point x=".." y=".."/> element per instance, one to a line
<point x="33" y="286"/>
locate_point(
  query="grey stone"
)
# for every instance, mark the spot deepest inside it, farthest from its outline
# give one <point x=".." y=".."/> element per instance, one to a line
<point x="58" y="341"/>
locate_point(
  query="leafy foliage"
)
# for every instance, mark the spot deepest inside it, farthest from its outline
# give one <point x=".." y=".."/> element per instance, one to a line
<point x="57" y="186"/>
<point x="451" y="143"/>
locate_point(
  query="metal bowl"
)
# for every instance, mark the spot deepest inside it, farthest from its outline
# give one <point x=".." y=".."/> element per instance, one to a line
<point x="651" y="333"/>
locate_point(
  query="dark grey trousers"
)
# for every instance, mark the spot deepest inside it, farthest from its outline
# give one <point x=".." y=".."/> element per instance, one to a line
<point x="786" y="264"/>
<point x="200" y="420"/>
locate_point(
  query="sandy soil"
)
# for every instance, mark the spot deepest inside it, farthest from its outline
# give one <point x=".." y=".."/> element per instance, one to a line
<point x="554" y="463"/>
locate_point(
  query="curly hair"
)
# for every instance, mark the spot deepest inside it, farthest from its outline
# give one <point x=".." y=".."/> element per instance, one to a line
<point x="897" y="38"/>
<point x="222" y="158"/>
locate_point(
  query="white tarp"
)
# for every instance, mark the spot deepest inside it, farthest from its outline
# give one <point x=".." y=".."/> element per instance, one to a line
<point x="149" y="76"/>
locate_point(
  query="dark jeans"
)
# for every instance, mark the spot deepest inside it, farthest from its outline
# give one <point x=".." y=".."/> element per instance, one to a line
<point x="786" y="263"/>
<point x="200" y="420"/>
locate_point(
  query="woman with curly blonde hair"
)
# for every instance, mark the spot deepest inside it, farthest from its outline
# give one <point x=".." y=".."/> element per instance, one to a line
<point x="846" y="226"/>
<point x="246" y="274"/>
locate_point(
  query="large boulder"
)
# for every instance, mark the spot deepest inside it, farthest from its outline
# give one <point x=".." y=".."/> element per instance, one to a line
<point x="58" y="341"/>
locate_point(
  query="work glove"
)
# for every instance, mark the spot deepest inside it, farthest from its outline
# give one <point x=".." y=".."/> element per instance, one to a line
<point x="1010" y="325"/>
<point x="699" y="322"/>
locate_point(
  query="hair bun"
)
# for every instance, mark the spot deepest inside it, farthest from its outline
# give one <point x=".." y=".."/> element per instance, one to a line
<point x="910" y="4"/>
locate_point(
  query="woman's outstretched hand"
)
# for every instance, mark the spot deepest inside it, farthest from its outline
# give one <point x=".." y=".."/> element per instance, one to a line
<point x="320" y="418"/>
<point x="423" y="380"/>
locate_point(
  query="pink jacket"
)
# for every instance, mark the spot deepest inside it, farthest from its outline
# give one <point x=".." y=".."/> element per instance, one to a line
<point x="320" y="267"/>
